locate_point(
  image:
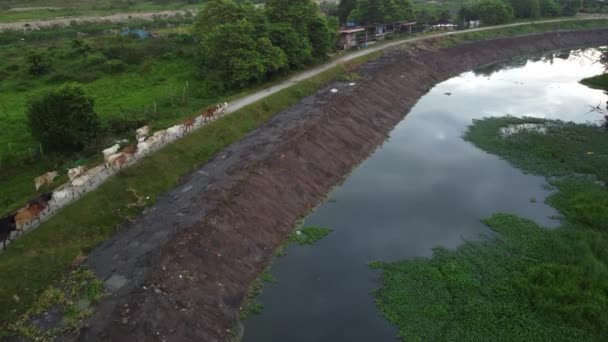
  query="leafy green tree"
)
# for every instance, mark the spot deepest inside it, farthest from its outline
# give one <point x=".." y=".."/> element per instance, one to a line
<point x="329" y="8"/>
<point x="306" y="19"/>
<point x="216" y="13"/>
<point x="468" y="12"/>
<point x="297" y="47"/>
<point x="570" y="7"/>
<point x="526" y="9"/>
<point x="344" y="9"/>
<point x="322" y="36"/>
<point x="549" y="8"/>
<point x="64" y="119"/>
<point x="240" y="55"/>
<point x="382" y="11"/>
<point x="494" y="12"/>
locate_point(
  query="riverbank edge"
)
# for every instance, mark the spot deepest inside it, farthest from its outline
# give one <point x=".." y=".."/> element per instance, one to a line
<point x="260" y="211"/>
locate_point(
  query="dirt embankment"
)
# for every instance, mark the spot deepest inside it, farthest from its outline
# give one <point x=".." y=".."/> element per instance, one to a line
<point x="180" y="272"/>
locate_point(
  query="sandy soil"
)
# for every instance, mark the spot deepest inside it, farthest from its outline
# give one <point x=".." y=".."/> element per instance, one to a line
<point x="180" y="272"/>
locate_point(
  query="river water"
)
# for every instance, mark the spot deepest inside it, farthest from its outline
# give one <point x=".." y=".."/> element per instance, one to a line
<point x="425" y="187"/>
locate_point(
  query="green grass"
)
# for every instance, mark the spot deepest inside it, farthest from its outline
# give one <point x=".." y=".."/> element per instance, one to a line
<point x="530" y="283"/>
<point x="40" y="258"/>
<point x="97" y="8"/>
<point x="597" y="82"/>
<point x="309" y="235"/>
<point x="564" y="150"/>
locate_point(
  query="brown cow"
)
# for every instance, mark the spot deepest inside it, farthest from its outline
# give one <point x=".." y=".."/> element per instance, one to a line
<point x="120" y="161"/>
<point x="33" y="210"/>
<point x="189" y="124"/>
<point x="130" y="149"/>
<point x="209" y="113"/>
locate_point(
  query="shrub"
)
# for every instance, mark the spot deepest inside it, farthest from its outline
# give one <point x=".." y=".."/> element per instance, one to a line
<point x="64" y="119"/>
<point x="115" y="66"/>
<point x="38" y="63"/>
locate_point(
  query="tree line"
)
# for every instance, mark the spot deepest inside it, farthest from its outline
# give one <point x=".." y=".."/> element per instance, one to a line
<point x="495" y="12"/>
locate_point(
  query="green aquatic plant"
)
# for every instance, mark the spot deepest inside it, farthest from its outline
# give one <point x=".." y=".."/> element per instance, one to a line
<point x="528" y="282"/>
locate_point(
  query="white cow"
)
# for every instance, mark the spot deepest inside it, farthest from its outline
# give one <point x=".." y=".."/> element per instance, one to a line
<point x="142" y="133"/>
<point x="75" y="172"/>
<point x="46" y="178"/>
<point x="110" y="151"/>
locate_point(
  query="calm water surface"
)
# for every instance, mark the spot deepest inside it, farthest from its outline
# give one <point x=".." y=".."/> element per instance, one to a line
<point x="425" y="187"/>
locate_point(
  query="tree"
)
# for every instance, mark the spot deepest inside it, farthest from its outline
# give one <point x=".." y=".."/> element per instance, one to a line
<point x="570" y="7"/>
<point x="525" y="9"/>
<point x="240" y="55"/>
<point x="494" y="12"/>
<point x="329" y="8"/>
<point x="382" y="11"/>
<point x="549" y="8"/>
<point x="468" y="12"/>
<point x="64" y="119"/>
<point x="306" y="19"/>
<point x="344" y="9"/>
<point x="216" y="13"/>
<point x="297" y="47"/>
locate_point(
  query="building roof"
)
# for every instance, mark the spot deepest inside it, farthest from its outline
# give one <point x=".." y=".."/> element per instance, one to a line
<point x="352" y="30"/>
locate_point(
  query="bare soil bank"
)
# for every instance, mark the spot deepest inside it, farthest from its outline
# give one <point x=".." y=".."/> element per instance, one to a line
<point x="180" y="272"/>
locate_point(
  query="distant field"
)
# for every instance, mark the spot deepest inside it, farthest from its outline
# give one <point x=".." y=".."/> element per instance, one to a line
<point x="20" y="10"/>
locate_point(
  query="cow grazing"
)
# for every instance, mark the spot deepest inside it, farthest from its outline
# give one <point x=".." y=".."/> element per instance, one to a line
<point x="175" y="130"/>
<point x="75" y="172"/>
<point x="142" y="133"/>
<point x="43" y="199"/>
<point x="110" y="151"/>
<point x="209" y="113"/>
<point x="7" y="226"/>
<point x="189" y="124"/>
<point x="32" y="211"/>
<point x="45" y="179"/>
<point x="221" y="108"/>
<point x="62" y="193"/>
<point x="129" y="150"/>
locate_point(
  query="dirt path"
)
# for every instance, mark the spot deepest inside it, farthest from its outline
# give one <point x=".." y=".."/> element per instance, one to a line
<point x="180" y="272"/>
<point x="66" y="21"/>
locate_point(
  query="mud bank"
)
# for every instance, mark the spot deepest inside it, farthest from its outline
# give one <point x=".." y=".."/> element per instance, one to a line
<point x="180" y="272"/>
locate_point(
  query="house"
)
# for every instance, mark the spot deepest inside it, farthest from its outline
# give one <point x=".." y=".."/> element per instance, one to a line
<point x="348" y="37"/>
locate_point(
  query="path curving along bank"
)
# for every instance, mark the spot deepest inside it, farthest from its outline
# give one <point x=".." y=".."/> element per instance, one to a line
<point x="181" y="270"/>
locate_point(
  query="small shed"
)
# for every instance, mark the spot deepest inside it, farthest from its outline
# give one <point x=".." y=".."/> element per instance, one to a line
<point x="348" y="37"/>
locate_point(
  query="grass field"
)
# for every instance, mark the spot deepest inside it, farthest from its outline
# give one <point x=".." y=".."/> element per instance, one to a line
<point x="11" y="11"/>
<point x="530" y="283"/>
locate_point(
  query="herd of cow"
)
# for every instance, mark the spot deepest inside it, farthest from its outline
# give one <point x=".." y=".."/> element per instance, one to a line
<point x="82" y="179"/>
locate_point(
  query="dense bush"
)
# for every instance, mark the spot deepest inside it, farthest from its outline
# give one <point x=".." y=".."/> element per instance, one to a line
<point x="64" y="119"/>
<point x="38" y="63"/>
<point x="494" y="12"/>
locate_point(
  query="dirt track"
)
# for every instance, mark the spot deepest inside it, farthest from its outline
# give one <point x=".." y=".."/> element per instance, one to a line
<point x="179" y="273"/>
